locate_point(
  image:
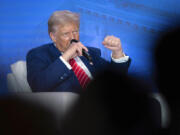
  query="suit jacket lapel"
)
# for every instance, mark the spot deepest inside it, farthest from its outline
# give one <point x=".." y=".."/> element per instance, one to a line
<point x="54" y="52"/>
<point x="90" y="67"/>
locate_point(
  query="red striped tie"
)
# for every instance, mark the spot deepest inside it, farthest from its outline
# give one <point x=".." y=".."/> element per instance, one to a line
<point x="81" y="75"/>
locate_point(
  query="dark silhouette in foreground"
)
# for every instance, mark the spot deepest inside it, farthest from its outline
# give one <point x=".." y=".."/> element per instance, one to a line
<point x="167" y="75"/>
<point x="114" y="104"/>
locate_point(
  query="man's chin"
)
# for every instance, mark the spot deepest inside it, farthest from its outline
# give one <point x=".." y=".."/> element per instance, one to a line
<point x="65" y="49"/>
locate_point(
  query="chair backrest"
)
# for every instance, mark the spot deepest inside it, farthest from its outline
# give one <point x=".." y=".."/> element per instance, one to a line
<point x="17" y="80"/>
<point x="165" y="111"/>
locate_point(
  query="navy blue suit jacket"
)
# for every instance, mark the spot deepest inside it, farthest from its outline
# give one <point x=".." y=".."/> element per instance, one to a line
<point x="46" y="72"/>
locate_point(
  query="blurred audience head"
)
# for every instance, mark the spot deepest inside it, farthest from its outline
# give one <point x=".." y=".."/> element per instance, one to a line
<point x="167" y="75"/>
<point x="167" y="63"/>
<point x="112" y="104"/>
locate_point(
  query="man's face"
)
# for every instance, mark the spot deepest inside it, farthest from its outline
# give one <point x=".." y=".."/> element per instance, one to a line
<point x="64" y="35"/>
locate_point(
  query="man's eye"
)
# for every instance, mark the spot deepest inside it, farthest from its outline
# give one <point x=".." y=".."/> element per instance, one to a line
<point x="74" y="32"/>
<point x="65" y="34"/>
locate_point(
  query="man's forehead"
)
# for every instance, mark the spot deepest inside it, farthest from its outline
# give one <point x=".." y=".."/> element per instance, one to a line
<point x="67" y="28"/>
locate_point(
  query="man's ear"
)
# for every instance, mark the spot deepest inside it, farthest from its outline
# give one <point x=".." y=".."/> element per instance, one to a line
<point x="52" y="37"/>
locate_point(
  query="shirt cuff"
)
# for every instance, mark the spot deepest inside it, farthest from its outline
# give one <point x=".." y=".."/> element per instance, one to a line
<point x="120" y="60"/>
<point x="65" y="62"/>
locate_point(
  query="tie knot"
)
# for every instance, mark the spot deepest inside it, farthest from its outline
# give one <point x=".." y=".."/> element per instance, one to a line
<point x="71" y="61"/>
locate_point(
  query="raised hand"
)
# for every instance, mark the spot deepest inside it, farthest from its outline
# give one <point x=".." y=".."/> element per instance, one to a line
<point x="114" y="44"/>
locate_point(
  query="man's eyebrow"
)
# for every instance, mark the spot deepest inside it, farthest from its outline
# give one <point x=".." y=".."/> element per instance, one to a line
<point x="66" y="32"/>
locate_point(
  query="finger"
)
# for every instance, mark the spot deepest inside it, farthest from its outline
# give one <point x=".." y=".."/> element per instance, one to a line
<point x="111" y="47"/>
<point x="116" y="43"/>
<point x="108" y="41"/>
<point x="74" y="55"/>
<point x="79" y="51"/>
<point x="103" y="42"/>
<point x="75" y="47"/>
<point x="106" y="38"/>
<point x="107" y="44"/>
<point x="111" y="42"/>
<point x="83" y="47"/>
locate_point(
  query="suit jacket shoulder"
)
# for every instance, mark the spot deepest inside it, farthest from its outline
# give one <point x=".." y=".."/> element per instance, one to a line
<point x="46" y="72"/>
<point x="94" y="51"/>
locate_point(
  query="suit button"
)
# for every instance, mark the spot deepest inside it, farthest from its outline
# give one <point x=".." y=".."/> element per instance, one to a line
<point x="65" y="75"/>
<point x="61" y="77"/>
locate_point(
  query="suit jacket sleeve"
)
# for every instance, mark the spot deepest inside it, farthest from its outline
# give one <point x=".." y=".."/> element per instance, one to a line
<point x="121" y="68"/>
<point x="101" y="64"/>
<point x="43" y="74"/>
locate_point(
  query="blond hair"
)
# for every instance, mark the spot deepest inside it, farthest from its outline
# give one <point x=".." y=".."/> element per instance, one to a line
<point x="62" y="18"/>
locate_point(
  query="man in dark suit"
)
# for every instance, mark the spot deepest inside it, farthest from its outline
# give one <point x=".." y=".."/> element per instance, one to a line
<point x="50" y="67"/>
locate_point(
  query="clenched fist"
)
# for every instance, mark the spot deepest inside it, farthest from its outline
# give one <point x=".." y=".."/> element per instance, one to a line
<point x="114" y="44"/>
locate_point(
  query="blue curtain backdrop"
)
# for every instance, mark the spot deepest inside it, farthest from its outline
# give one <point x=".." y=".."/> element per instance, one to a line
<point x="23" y="25"/>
